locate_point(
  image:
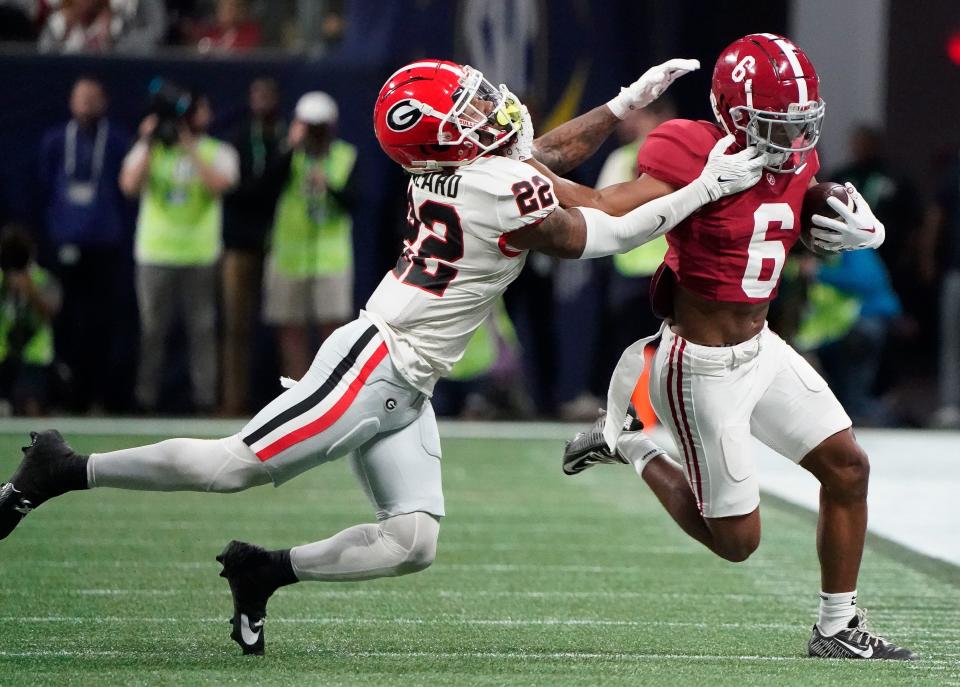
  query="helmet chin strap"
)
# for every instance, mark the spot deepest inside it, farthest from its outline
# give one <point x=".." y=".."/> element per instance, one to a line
<point x="716" y="114"/>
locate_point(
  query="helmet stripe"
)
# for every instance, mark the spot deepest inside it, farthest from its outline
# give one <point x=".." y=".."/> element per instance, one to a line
<point x="427" y="63"/>
<point x="802" y="96"/>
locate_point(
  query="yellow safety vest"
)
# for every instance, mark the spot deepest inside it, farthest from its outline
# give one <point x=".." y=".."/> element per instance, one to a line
<point x="311" y="232"/>
<point x="180" y="221"/>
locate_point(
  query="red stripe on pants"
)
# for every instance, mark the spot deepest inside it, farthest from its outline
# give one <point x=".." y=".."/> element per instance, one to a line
<point x="673" y="412"/>
<point x="328" y="418"/>
<point x="698" y="488"/>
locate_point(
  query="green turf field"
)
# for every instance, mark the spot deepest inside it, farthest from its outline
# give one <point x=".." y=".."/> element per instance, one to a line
<point x="540" y="579"/>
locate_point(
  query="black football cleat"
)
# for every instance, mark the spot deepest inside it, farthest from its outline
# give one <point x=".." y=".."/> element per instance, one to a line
<point x="243" y="567"/>
<point x="49" y="468"/>
<point x="589" y="448"/>
<point x="856" y="640"/>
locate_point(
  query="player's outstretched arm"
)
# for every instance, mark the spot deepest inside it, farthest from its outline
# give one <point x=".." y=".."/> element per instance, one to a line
<point x="566" y="146"/>
<point x="584" y="232"/>
<point x="616" y="200"/>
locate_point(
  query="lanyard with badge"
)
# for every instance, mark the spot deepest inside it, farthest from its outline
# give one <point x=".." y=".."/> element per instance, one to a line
<point x="83" y="192"/>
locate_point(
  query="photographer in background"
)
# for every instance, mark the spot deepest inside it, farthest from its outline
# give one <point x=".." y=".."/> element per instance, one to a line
<point x="247" y="217"/>
<point x="180" y="174"/>
<point x="309" y="271"/>
<point x="29" y="300"/>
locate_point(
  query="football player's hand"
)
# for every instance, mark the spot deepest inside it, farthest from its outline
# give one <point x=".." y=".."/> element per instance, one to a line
<point x="855" y="228"/>
<point x="726" y="174"/>
<point x="521" y="146"/>
<point x="650" y="86"/>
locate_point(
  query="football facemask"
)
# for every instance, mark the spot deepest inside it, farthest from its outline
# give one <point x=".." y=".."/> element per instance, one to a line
<point x="479" y="114"/>
<point x="787" y="137"/>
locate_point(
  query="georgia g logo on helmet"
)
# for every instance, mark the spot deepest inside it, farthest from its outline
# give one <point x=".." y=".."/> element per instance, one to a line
<point x="404" y="114"/>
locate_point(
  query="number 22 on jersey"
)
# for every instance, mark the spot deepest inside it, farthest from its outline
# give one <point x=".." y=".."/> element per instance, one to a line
<point x="433" y="240"/>
<point x="765" y="257"/>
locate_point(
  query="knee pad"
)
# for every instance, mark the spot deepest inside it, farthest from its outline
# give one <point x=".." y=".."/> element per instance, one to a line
<point x="240" y="468"/>
<point x="414" y="537"/>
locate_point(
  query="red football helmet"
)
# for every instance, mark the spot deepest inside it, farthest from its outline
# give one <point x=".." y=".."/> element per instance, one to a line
<point x="767" y="93"/>
<point x="433" y="114"/>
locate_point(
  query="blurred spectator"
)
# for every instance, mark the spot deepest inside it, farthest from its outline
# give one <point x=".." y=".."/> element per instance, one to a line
<point x="247" y="217"/>
<point x="850" y="306"/>
<point x="18" y="20"/>
<point x="87" y="229"/>
<point x="79" y="26"/>
<point x="29" y="300"/>
<point x="940" y="256"/>
<point x="139" y="25"/>
<point x="320" y="24"/>
<point x="309" y="273"/>
<point x="180" y="183"/>
<point x="232" y="30"/>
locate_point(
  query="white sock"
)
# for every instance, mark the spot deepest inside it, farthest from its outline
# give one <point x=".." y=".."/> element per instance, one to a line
<point x="836" y="611"/>
<point x="397" y="546"/>
<point x="221" y="465"/>
<point x="639" y="449"/>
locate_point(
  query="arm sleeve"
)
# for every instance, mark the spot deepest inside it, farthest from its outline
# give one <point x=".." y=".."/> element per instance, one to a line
<point x="608" y="235"/>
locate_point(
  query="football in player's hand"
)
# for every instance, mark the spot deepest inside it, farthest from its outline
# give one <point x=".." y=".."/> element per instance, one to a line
<point x="815" y="203"/>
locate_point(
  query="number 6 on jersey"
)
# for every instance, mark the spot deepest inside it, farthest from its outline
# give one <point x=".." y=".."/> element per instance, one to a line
<point x="765" y="258"/>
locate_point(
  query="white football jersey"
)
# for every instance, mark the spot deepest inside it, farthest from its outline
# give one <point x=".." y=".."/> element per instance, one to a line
<point x="455" y="263"/>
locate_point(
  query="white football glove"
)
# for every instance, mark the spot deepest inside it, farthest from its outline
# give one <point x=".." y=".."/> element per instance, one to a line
<point x="725" y="174"/>
<point x="650" y="86"/>
<point x="854" y="229"/>
<point x="520" y="146"/>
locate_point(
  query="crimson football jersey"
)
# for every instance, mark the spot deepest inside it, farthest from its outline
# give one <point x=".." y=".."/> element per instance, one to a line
<point x="733" y="249"/>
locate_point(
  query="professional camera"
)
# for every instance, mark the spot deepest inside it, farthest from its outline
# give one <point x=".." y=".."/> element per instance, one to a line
<point x="172" y="105"/>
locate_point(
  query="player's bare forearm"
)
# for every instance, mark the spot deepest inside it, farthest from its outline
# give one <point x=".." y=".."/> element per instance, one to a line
<point x="568" y="145"/>
<point x="561" y="234"/>
<point x="616" y="200"/>
<point x="569" y="193"/>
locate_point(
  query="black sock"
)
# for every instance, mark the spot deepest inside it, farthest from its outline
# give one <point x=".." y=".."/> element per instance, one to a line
<point x="279" y="573"/>
<point x="73" y="472"/>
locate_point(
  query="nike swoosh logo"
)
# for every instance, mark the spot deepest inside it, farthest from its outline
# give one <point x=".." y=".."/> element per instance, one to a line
<point x="721" y="180"/>
<point x="857" y="650"/>
<point x="663" y="221"/>
<point x="246" y="630"/>
<point x="800" y="168"/>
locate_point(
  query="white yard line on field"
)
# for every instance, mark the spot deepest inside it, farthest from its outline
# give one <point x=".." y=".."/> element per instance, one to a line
<point x="495" y="655"/>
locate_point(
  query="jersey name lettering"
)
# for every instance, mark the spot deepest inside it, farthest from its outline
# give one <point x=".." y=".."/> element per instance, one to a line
<point x="442" y="184"/>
